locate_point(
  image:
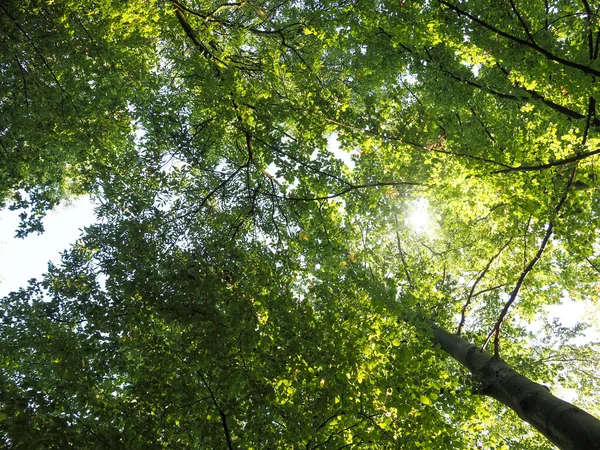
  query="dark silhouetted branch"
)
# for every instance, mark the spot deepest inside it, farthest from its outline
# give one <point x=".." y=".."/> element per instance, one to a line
<point x="547" y="54"/>
<point x="479" y="278"/>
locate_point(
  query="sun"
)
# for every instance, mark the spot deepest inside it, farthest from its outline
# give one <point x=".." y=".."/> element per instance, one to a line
<point x="418" y="217"/>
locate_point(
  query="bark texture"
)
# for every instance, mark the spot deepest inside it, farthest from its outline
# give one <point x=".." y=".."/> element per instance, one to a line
<point x="565" y="425"/>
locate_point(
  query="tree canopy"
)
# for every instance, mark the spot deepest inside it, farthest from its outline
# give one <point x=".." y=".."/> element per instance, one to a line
<point x="244" y="286"/>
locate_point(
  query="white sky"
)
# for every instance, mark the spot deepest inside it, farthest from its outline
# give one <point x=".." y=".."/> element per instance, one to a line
<point x="23" y="259"/>
<point x="333" y="146"/>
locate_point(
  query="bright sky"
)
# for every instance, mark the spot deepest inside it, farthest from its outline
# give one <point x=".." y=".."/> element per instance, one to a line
<point x="23" y="259"/>
<point x="418" y="217"/>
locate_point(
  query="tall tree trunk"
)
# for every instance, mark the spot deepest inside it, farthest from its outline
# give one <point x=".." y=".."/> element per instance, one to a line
<point x="566" y="425"/>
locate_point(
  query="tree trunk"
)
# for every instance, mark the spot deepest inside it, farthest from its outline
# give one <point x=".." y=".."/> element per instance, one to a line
<point x="565" y="425"/>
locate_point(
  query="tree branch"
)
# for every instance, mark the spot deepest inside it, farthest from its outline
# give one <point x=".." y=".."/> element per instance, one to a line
<point x="221" y="413"/>
<point x="23" y="77"/>
<point x="46" y="65"/>
<point x="547" y="54"/>
<point x="590" y="37"/>
<point x="191" y="33"/>
<point x="479" y="278"/>
<point x="401" y="253"/>
<point x="513" y="295"/>
<point x="523" y="24"/>
<point x="561" y="162"/>
<point x="416" y="145"/>
<point x="348" y="189"/>
<point x="534" y="94"/>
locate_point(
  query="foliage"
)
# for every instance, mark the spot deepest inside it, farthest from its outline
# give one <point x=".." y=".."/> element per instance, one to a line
<point x="243" y="286"/>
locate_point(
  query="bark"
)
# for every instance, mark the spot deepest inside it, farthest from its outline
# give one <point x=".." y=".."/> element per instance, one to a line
<point x="564" y="424"/>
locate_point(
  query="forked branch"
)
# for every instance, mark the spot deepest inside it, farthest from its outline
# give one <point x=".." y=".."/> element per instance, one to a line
<point x="479" y="278"/>
<point x="532" y="45"/>
<point x="515" y="292"/>
<point x="221" y="412"/>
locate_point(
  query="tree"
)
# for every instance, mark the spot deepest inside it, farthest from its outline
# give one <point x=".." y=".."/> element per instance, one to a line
<point x="245" y="289"/>
<point x="72" y="77"/>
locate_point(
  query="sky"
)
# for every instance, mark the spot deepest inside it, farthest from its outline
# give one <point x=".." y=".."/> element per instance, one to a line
<point x="23" y="259"/>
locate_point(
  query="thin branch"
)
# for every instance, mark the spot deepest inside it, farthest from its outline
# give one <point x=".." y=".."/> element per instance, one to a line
<point x="534" y="94"/>
<point x="4" y="148"/>
<point x="590" y="36"/>
<point x="221" y="413"/>
<point x="279" y="151"/>
<point x="323" y="424"/>
<point x="490" y="212"/>
<point x="464" y="155"/>
<point x="597" y="45"/>
<point x="515" y="292"/>
<point x="92" y="431"/>
<point x="570" y="113"/>
<point x="348" y="189"/>
<point x="482" y="124"/>
<point x="592" y="264"/>
<point x="561" y="162"/>
<point x="523" y="24"/>
<point x="207" y="16"/>
<point x="483" y="291"/>
<point x="591" y="112"/>
<point x="416" y="145"/>
<point x="513" y="296"/>
<point x="477" y="85"/>
<point x="191" y="33"/>
<point x="214" y="190"/>
<point x="23" y="77"/>
<point x="45" y="62"/>
<point x="558" y="108"/>
<point x="525" y="240"/>
<point x="547" y="54"/>
<point x="401" y="253"/>
<point x="479" y="278"/>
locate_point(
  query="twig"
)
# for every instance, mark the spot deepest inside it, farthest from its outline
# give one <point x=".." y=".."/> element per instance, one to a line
<point x="525" y="240"/>
<point x="416" y="145"/>
<point x="346" y="190"/>
<point x="480" y="120"/>
<point x="23" y="77"/>
<point x="92" y="431"/>
<point x="592" y="264"/>
<point x="46" y="65"/>
<point x="401" y="253"/>
<point x="588" y="13"/>
<point x="483" y="291"/>
<point x="479" y="278"/>
<point x="591" y="112"/>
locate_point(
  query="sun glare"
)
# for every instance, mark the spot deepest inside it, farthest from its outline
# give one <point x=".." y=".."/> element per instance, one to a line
<point x="418" y="217"/>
